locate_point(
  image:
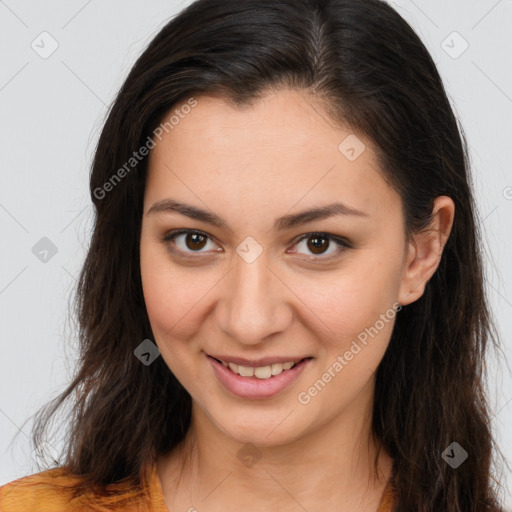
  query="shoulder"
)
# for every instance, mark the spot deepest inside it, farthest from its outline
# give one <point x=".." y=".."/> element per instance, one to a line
<point x="48" y="490"/>
<point x="52" y="491"/>
<point x="388" y="499"/>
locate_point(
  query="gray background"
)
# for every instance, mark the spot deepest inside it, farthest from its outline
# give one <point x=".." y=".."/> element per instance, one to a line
<point x="52" y="110"/>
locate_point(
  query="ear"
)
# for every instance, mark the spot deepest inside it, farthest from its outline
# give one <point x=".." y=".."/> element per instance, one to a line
<point x="424" y="251"/>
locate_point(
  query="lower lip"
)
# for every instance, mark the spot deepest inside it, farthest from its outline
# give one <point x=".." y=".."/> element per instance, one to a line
<point x="252" y="387"/>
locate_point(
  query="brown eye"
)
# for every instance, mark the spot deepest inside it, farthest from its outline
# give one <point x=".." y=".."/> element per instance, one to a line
<point x="317" y="244"/>
<point x="195" y="241"/>
<point x="189" y="241"/>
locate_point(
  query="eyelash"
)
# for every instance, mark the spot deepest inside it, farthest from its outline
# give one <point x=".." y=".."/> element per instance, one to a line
<point x="343" y="244"/>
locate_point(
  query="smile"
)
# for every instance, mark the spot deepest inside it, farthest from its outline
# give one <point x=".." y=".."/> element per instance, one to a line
<point x="257" y="382"/>
<point x="261" y="372"/>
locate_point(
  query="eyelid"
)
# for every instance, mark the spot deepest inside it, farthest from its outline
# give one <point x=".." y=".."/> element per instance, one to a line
<point x="342" y="243"/>
<point x="171" y="235"/>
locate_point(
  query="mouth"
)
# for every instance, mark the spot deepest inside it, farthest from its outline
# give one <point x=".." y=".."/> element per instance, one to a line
<point x="257" y="382"/>
<point x="261" y="371"/>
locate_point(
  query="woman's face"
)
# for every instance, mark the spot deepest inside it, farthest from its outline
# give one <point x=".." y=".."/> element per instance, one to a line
<point x="252" y="283"/>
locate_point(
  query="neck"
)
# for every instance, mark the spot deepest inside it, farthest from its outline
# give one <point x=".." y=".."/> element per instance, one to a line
<point x="332" y="466"/>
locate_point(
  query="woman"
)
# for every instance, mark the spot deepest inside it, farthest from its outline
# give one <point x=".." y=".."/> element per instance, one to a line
<point x="282" y="306"/>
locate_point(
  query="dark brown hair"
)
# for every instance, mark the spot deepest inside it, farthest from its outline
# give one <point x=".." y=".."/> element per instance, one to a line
<point x="363" y="61"/>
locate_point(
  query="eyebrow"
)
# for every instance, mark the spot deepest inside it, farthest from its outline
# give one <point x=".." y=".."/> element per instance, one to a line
<point x="282" y="223"/>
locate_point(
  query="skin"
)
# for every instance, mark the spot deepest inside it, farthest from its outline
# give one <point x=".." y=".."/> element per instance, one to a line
<point x="250" y="166"/>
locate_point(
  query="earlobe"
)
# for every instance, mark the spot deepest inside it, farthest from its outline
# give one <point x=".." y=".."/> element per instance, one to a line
<point x="425" y="251"/>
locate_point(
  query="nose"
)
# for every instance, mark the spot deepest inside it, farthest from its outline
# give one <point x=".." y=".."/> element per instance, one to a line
<point x="255" y="303"/>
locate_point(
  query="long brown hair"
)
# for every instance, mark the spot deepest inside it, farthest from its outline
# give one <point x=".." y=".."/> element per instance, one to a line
<point x="372" y="72"/>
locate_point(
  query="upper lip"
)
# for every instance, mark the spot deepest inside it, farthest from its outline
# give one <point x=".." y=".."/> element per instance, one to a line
<point x="255" y="363"/>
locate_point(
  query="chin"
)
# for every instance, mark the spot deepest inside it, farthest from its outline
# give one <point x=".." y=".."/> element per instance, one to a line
<point x="263" y="434"/>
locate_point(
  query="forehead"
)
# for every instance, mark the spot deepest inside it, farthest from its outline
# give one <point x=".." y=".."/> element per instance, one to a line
<point x="283" y="150"/>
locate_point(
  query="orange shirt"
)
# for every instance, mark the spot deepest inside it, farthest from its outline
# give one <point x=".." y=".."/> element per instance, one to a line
<point x="46" y="492"/>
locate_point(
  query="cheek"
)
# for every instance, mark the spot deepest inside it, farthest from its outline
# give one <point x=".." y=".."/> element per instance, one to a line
<point x="169" y="294"/>
<point x="353" y="326"/>
<point x="371" y="288"/>
<point x="348" y="303"/>
<point x="353" y="321"/>
<point x="170" y="297"/>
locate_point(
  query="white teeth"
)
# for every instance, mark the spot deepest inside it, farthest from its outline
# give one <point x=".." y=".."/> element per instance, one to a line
<point x="261" y="372"/>
<point x="276" y="368"/>
<point x="245" y="371"/>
